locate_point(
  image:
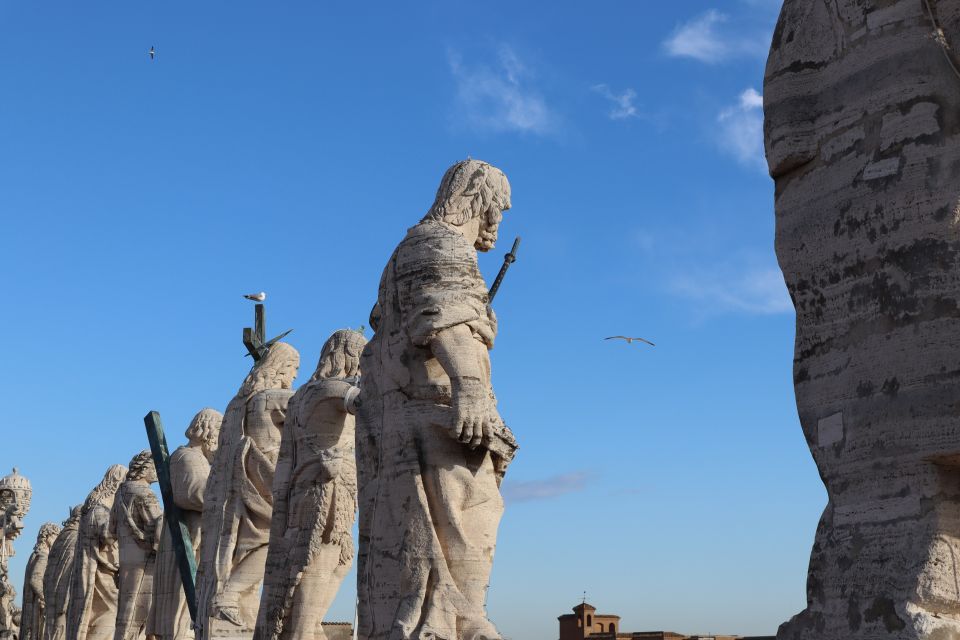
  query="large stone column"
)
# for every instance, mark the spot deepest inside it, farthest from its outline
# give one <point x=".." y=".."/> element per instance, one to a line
<point x="862" y="121"/>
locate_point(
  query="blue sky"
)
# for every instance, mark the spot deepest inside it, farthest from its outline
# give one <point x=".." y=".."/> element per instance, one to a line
<point x="287" y="148"/>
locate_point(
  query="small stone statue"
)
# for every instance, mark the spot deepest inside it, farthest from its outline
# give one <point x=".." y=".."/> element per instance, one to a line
<point x="58" y="578"/>
<point x="31" y="627"/>
<point x="238" y="500"/>
<point x="189" y="469"/>
<point x="92" y="614"/>
<point x="133" y="523"/>
<point x="431" y="447"/>
<point x="15" y="494"/>
<point x="314" y="498"/>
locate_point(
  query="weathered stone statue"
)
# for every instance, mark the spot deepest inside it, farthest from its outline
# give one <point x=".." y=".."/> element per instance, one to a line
<point x="314" y="498"/>
<point x="864" y="145"/>
<point x="58" y="577"/>
<point x="31" y="627"/>
<point x="189" y="469"/>
<point x="15" y="494"/>
<point x="238" y="502"/>
<point x="431" y="447"/>
<point x="92" y="614"/>
<point x="133" y="522"/>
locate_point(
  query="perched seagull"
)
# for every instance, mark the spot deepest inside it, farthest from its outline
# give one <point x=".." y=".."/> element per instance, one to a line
<point x="256" y="297"/>
<point x="630" y="340"/>
<point x="153" y="53"/>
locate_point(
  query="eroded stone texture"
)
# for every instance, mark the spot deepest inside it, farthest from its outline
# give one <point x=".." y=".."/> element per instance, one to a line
<point x="133" y="522"/>
<point x="314" y="498"/>
<point x="31" y="625"/>
<point x="238" y="499"/>
<point x="189" y="469"/>
<point x="58" y="577"/>
<point x="92" y="613"/>
<point x="862" y="118"/>
<point x="431" y="447"/>
<point x="15" y="495"/>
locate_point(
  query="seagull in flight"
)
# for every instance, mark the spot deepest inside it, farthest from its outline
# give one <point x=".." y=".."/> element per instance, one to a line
<point x="256" y="297"/>
<point x="153" y="53"/>
<point x="630" y="340"/>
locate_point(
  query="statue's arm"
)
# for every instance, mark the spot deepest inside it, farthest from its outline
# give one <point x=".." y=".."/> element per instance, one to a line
<point x="36" y="576"/>
<point x="458" y="352"/>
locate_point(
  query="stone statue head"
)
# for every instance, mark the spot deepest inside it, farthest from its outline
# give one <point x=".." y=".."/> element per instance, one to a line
<point x="276" y="370"/>
<point x="74" y="516"/>
<point x="472" y="190"/>
<point x="204" y="431"/>
<point x="340" y="357"/>
<point x="142" y="468"/>
<point x="48" y="533"/>
<point x="104" y="492"/>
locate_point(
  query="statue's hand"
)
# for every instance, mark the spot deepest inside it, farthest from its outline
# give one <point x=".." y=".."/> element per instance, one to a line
<point x="473" y="413"/>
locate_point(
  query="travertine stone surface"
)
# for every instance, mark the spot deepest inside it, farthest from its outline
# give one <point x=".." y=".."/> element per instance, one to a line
<point x="862" y="140"/>
<point x="15" y="495"/>
<point x="189" y="468"/>
<point x="133" y="522"/>
<point x="431" y="447"/>
<point x="92" y="613"/>
<point x="58" y="577"/>
<point x="31" y="625"/>
<point x="314" y="498"/>
<point x="238" y="500"/>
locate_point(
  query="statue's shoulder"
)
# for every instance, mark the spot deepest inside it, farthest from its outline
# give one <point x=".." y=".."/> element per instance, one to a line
<point x="432" y="241"/>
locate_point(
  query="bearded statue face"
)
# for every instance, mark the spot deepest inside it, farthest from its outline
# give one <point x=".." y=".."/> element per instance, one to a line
<point x="491" y="218"/>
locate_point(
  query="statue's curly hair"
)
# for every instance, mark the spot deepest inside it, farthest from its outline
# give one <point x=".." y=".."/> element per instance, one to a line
<point x="107" y="487"/>
<point x="140" y="465"/>
<point x="47" y="529"/>
<point x="466" y="191"/>
<point x="340" y="356"/>
<point x="264" y="373"/>
<point x="204" y="425"/>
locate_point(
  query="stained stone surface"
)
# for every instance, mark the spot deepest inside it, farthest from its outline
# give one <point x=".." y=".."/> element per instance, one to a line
<point x="58" y="577"/>
<point x="431" y="447"/>
<point x="189" y="469"/>
<point x="32" y="619"/>
<point x="92" y="612"/>
<point x="15" y="496"/>
<point x="314" y="498"/>
<point x="238" y="499"/>
<point x="862" y="117"/>
<point x="133" y="522"/>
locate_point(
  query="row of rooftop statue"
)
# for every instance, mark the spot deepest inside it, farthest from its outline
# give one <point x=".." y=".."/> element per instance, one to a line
<point x="270" y="489"/>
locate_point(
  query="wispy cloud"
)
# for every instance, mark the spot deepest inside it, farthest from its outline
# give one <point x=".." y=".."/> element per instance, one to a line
<point x="758" y="290"/>
<point x="741" y="129"/>
<point x="502" y="98"/>
<point x="710" y="38"/>
<point x="548" y="487"/>
<point x="623" y="106"/>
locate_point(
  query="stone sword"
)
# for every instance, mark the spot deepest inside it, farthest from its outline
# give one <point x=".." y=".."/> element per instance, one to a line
<point x="508" y="259"/>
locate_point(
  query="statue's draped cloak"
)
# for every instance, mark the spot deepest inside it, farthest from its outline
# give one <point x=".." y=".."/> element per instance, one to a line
<point x="430" y="505"/>
<point x="170" y="618"/>
<point x="58" y="581"/>
<point x="31" y="618"/>
<point x="312" y="516"/>
<point x="133" y="520"/>
<point x="93" y="606"/>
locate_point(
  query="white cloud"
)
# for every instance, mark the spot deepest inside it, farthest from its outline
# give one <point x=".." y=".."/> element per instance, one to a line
<point x="741" y="129"/>
<point x="623" y="106"/>
<point x="722" y="290"/>
<point x="502" y="98"/>
<point x="547" y="488"/>
<point x="708" y="38"/>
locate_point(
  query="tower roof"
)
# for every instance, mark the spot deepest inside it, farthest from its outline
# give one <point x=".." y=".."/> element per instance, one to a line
<point x="584" y="606"/>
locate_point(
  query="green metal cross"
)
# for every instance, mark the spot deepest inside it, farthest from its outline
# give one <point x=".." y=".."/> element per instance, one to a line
<point x="255" y="339"/>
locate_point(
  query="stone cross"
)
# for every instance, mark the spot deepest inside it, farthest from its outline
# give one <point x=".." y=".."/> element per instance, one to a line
<point x="255" y="339"/>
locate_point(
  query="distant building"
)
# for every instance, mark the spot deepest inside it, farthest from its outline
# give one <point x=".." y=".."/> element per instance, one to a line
<point x="585" y="623"/>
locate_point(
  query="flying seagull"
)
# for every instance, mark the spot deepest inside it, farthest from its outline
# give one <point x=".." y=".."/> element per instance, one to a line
<point x="153" y="53"/>
<point x="256" y="297"/>
<point x="630" y="340"/>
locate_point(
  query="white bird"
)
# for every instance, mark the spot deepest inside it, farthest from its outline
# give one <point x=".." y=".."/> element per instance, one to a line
<point x="630" y="340"/>
<point x="152" y="52"/>
<point x="256" y="297"/>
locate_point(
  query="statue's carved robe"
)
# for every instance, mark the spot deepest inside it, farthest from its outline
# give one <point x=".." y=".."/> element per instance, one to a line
<point x="31" y="620"/>
<point x="133" y="522"/>
<point x="170" y="617"/>
<point x="238" y="504"/>
<point x="315" y="503"/>
<point x="429" y="505"/>
<point x="58" y="581"/>
<point x="92" y="614"/>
